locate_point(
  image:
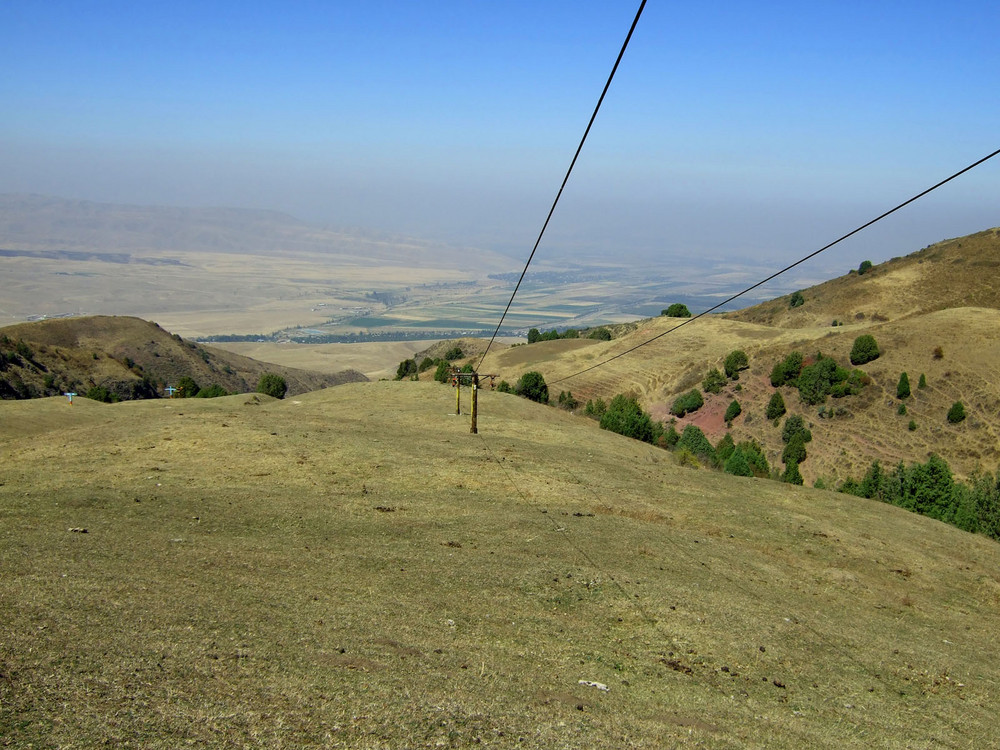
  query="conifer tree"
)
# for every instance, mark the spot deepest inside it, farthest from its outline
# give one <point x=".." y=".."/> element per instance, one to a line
<point x="733" y="411"/>
<point x="903" y="386"/>
<point x="792" y="475"/>
<point x="956" y="413"/>
<point x="775" y="407"/>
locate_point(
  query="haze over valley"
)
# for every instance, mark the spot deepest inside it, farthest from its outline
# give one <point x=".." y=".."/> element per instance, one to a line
<point x="257" y="274"/>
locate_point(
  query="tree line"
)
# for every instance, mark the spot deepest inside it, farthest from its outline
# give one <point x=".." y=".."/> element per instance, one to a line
<point x="930" y="489"/>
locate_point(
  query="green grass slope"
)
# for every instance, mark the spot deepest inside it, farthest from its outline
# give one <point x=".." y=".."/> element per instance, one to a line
<point x="352" y="568"/>
<point x="119" y="351"/>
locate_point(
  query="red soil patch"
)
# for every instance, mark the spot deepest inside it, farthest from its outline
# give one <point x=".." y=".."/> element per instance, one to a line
<point x="710" y="418"/>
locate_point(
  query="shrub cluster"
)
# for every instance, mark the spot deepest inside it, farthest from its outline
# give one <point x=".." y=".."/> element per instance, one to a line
<point x="903" y="386"/>
<point x="791" y="474"/>
<point x="694" y="441"/>
<point x="865" y="349"/>
<point x="566" y="400"/>
<point x="443" y="371"/>
<point x="736" y="361"/>
<point x="825" y="378"/>
<point x="531" y="386"/>
<point x="795" y="435"/>
<point x="676" y="310"/>
<point x="689" y="402"/>
<point x="625" y="416"/>
<point x="747" y="460"/>
<point x="956" y="413"/>
<point x="553" y="335"/>
<point x="187" y="387"/>
<point x="100" y="393"/>
<point x="595" y="408"/>
<point x="213" y="391"/>
<point x="272" y="384"/>
<point x="714" y="381"/>
<point x="775" y="407"/>
<point x="787" y="370"/>
<point x="795" y="426"/>
<point x="733" y="410"/>
<point x="407" y="368"/>
<point x="815" y="382"/>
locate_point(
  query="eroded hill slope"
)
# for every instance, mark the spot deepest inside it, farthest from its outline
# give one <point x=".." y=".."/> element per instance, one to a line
<point x="132" y="358"/>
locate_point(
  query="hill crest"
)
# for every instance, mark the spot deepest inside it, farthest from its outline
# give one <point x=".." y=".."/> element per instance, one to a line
<point x="131" y="358"/>
<point x="958" y="272"/>
<point x="47" y="225"/>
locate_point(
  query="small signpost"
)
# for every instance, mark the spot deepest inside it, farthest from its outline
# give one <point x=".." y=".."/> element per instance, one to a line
<point x="170" y="391"/>
<point x="70" y="397"/>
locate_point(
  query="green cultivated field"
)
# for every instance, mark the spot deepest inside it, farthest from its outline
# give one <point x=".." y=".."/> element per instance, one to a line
<point x="351" y="568"/>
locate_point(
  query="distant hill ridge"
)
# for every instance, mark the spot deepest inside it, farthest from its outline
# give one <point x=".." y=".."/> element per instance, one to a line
<point x="959" y="272"/>
<point x="48" y="224"/>
<point x="129" y="356"/>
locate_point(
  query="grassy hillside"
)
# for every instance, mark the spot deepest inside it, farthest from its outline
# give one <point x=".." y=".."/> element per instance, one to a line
<point x="954" y="273"/>
<point x="934" y="313"/>
<point x="120" y="352"/>
<point x="353" y="569"/>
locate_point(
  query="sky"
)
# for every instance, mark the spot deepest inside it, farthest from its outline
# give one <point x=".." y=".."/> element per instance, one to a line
<point x="734" y="132"/>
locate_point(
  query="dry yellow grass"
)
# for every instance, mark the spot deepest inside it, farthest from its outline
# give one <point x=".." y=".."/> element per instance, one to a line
<point x="351" y="568"/>
<point x="953" y="273"/>
<point x="375" y="360"/>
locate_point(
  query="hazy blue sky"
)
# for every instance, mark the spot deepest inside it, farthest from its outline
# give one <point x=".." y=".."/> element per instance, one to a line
<point x="733" y="130"/>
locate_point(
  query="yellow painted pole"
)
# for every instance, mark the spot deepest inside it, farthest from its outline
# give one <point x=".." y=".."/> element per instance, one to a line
<point x="475" y="403"/>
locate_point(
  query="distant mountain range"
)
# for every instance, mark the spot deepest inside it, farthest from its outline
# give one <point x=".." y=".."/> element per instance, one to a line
<point x="51" y="224"/>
